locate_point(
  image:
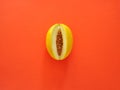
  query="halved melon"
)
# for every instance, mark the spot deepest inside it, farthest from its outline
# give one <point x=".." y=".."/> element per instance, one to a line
<point x="59" y="41"/>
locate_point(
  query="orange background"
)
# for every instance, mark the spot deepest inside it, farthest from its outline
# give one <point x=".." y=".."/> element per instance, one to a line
<point x="94" y="63"/>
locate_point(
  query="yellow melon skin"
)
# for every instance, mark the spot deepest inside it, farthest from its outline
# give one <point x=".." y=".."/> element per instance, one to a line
<point x="68" y="37"/>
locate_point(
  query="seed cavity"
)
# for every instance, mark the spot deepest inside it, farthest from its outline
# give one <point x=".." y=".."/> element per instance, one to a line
<point x="59" y="42"/>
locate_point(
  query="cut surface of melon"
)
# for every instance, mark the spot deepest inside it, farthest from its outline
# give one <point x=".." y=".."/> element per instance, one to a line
<point x="59" y="41"/>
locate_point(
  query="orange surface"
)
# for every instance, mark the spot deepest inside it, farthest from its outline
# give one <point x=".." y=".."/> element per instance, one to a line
<point x="94" y="63"/>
